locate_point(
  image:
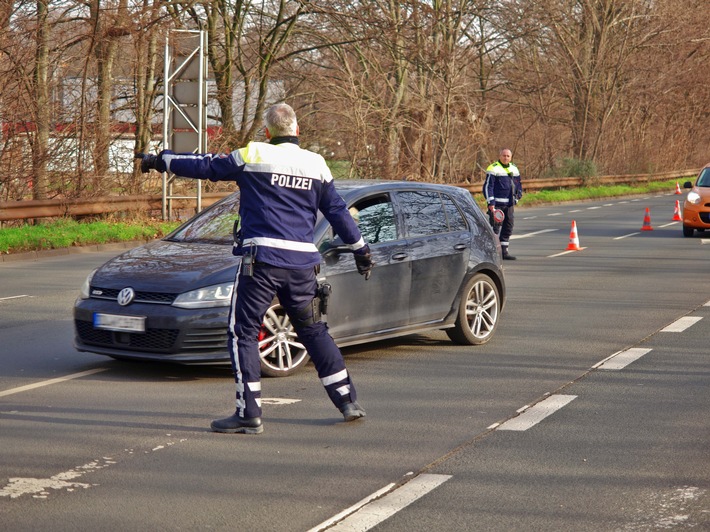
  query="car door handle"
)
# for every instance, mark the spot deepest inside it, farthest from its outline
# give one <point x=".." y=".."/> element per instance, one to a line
<point x="399" y="256"/>
<point x="460" y="247"/>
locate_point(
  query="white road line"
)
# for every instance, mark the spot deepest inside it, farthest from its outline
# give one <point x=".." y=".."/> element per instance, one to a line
<point x="13" y="297"/>
<point x="707" y="304"/>
<point x="526" y="235"/>
<point x="537" y="413"/>
<point x="576" y="210"/>
<point x="705" y="240"/>
<point x="564" y="253"/>
<point x="593" y="208"/>
<point x="667" y="225"/>
<point x="624" y="236"/>
<point x="373" y="512"/>
<point x="682" y="324"/>
<point x="622" y="359"/>
<point x="39" y="487"/>
<point x="278" y="401"/>
<point x="555" y="214"/>
<point x="50" y="381"/>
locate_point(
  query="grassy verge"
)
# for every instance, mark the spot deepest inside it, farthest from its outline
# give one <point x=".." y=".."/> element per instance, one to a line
<point x="597" y="192"/>
<point x="67" y="233"/>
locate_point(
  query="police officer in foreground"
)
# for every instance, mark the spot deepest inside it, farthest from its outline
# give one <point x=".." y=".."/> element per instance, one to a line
<point x="282" y="188"/>
<point x="502" y="189"/>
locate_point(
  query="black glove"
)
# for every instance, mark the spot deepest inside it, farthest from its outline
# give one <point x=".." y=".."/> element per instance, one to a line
<point x="363" y="261"/>
<point x="152" y="162"/>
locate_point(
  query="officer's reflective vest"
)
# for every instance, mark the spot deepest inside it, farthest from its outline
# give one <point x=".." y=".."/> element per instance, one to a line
<point x="502" y="185"/>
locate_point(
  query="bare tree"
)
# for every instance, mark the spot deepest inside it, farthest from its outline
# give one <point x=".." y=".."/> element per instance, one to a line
<point x="581" y="58"/>
<point x="147" y="82"/>
<point x="412" y="89"/>
<point x="40" y="144"/>
<point x="246" y="41"/>
<point x="400" y="74"/>
<point x="109" y="24"/>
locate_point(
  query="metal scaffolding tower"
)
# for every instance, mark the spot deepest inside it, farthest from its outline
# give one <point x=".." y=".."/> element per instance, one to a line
<point x="184" y="105"/>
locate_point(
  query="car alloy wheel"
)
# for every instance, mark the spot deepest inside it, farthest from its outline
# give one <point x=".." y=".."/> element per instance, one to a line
<point x="478" y="312"/>
<point x="279" y="349"/>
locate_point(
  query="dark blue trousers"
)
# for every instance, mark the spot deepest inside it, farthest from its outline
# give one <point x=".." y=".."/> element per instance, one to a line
<point x="251" y="298"/>
<point x="507" y="228"/>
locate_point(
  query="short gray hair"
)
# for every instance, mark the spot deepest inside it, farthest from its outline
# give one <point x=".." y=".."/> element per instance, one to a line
<point x="281" y="120"/>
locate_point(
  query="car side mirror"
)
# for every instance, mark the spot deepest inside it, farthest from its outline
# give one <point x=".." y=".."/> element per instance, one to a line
<point x="687" y="184"/>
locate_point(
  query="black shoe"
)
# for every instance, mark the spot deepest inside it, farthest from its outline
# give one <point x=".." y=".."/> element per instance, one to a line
<point x="352" y="411"/>
<point x="235" y="424"/>
<point x="508" y="256"/>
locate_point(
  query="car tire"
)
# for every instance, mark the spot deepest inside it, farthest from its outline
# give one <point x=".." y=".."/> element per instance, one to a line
<point x="280" y="352"/>
<point x="478" y="312"/>
<point x="687" y="231"/>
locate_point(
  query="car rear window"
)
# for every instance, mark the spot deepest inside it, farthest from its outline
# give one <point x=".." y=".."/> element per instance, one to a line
<point x="429" y="213"/>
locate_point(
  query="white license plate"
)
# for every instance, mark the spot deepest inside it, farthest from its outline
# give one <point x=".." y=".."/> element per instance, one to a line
<point x="113" y="322"/>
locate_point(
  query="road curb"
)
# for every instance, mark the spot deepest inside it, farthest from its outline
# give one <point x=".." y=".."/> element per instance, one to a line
<point x="48" y="253"/>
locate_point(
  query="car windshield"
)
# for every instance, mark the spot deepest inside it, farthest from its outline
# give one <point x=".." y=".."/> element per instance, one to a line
<point x="213" y="225"/>
<point x="704" y="178"/>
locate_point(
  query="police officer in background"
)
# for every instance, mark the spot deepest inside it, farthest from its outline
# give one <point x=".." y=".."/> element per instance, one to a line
<point x="502" y="189"/>
<point x="282" y="189"/>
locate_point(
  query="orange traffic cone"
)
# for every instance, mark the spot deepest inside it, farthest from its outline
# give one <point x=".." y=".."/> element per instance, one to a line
<point x="677" y="188"/>
<point x="573" y="238"/>
<point x="647" y="221"/>
<point x="676" y="213"/>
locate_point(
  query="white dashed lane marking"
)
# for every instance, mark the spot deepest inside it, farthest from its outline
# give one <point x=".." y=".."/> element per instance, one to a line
<point x="51" y="381"/>
<point x="682" y="324"/>
<point x="622" y="359"/>
<point x="13" y="297"/>
<point x="625" y="236"/>
<point x="371" y="511"/>
<point x="527" y="235"/>
<point x="536" y="413"/>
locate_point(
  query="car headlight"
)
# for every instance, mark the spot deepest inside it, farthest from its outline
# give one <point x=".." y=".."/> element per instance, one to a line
<point x="693" y="197"/>
<point x="218" y="295"/>
<point x="84" y="291"/>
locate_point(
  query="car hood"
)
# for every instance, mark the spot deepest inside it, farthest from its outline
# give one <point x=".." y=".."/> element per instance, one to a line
<point x="170" y="267"/>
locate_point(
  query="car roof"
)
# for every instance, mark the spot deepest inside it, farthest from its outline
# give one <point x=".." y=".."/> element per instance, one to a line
<point x="347" y="187"/>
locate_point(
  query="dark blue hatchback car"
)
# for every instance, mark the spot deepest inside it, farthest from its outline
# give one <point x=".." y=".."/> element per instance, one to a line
<point x="438" y="266"/>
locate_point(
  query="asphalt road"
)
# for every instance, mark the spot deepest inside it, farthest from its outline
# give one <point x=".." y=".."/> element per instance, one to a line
<point x="587" y="412"/>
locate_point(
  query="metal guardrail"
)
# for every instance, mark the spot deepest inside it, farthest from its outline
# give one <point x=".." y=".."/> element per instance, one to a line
<point x="56" y="208"/>
<point x="534" y="185"/>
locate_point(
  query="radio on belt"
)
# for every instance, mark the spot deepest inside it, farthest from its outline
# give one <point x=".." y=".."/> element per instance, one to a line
<point x="248" y="257"/>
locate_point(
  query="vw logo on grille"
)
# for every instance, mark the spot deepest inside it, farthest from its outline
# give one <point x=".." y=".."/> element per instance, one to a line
<point x="125" y="296"/>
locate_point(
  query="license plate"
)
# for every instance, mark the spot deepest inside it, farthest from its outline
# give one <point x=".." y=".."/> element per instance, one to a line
<point x="112" y="322"/>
